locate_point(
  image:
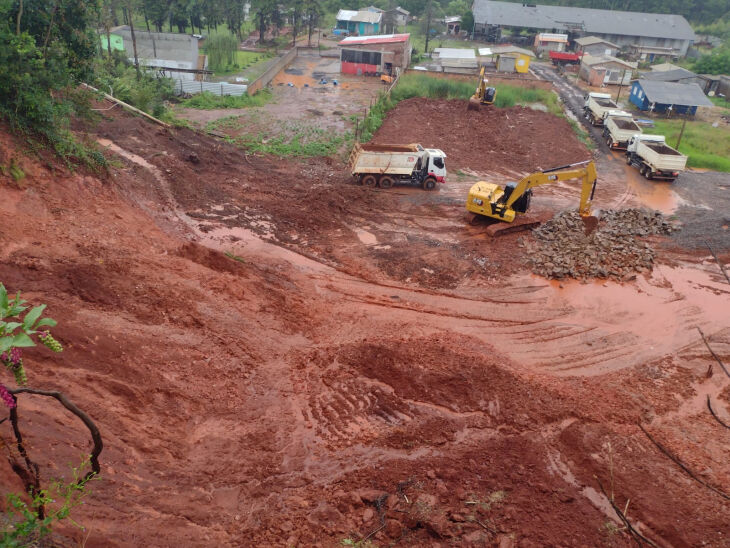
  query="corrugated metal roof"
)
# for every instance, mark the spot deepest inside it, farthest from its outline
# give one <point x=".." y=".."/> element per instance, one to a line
<point x="627" y="23"/>
<point x="664" y="66"/>
<point x="592" y="60"/>
<point x="669" y="75"/>
<point x="671" y="93"/>
<point x="362" y="16"/>
<point x="455" y="53"/>
<point x="497" y="50"/>
<point x="590" y="40"/>
<point x="375" y="39"/>
<point x="452" y="19"/>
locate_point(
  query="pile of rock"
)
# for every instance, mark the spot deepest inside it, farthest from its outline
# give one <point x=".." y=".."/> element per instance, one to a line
<point x="563" y="250"/>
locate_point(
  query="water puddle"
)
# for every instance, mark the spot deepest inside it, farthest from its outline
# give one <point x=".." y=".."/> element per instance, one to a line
<point x="657" y="195"/>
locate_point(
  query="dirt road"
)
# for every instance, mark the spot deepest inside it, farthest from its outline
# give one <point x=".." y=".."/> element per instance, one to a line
<point x="362" y="365"/>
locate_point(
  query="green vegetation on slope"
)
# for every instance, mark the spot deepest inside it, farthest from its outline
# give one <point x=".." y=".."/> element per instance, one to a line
<point x="210" y="101"/>
<point x="707" y="147"/>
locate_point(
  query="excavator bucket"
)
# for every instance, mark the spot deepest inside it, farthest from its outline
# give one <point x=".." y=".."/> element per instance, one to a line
<point x="474" y="103"/>
<point x="590" y="223"/>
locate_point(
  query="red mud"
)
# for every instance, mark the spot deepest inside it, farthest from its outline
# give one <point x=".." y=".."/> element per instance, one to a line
<point x="519" y="139"/>
<point x="279" y="400"/>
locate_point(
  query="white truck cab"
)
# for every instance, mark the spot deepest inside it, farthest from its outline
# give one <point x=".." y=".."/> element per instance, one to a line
<point x="642" y="137"/>
<point x="436" y="163"/>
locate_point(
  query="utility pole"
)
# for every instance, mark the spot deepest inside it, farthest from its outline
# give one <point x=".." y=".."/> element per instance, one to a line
<point x="681" y="131"/>
<point x="620" y="85"/>
<point x="428" y="26"/>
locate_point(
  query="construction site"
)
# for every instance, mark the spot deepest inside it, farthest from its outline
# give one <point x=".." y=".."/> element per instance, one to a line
<point x="277" y="355"/>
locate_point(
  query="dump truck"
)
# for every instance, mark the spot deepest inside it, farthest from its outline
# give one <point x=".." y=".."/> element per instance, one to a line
<point x="385" y="165"/>
<point x="618" y="129"/>
<point x="597" y="106"/>
<point x="654" y="158"/>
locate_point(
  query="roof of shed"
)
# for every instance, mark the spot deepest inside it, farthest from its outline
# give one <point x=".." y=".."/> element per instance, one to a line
<point x="671" y="93"/>
<point x="669" y="75"/>
<point x="375" y="39"/>
<point x="592" y="60"/>
<point x="362" y="16"/>
<point x="455" y="53"/>
<point x="628" y="23"/>
<point x="497" y="50"/>
<point x="590" y="40"/>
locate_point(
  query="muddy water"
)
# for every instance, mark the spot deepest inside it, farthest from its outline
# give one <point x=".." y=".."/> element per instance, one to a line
<point x="657" y="195"/>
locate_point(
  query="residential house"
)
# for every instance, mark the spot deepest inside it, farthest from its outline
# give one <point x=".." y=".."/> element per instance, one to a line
<point x="379" y="54"/>
<point x="512" y="58"/>
<point x="593" y="45"/>
<point x="622" y="28"/>
<point x="548" y="41"/>
<point x="453" y="24"/>
<point x="605" y="69"/>
<point x="358" y="23"/>
<point x="394" y="19"/>
<point x="668" y="97"/>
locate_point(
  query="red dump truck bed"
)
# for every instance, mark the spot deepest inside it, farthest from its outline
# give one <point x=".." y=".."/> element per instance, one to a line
<point x="563" y="57"/>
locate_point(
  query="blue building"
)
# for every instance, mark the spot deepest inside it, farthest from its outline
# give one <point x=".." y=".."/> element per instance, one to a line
<point x="358" y="23"/>
<point x="671" y="97"/>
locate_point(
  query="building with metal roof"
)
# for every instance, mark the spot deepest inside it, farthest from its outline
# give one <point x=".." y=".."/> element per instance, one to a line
<point x="624" y="28"/>
<point x="380" y="54"/>
<point x="360" y="23"/>
<point x="668" y="97"/>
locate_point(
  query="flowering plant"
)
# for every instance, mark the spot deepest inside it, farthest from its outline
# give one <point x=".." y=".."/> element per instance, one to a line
<point x="17" y="334"/>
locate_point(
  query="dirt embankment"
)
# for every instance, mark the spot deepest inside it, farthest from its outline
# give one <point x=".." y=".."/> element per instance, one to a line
<point x="275" y="400"/>
<point x="518" y="139"/>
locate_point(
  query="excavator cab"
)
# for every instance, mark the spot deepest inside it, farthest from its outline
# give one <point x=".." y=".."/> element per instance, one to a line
<point x="522" y="204"/>
<point x="489" y="96"/>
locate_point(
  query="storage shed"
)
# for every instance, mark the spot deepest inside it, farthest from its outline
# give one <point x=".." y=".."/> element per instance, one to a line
<point x="512" y="58"/>
<point x="668" y="97"/>
<point x="593" y="45"/>
<point x="604" y="69"/>
<point x="375" y="54"/>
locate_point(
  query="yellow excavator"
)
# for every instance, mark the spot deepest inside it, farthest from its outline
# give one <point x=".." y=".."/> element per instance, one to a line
<point x="505" y="204"/>
<point x="483" y="95"/>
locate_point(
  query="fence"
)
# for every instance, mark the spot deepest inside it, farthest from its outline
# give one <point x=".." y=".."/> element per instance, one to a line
<point x="217" y="88"/>
<point x="382" y="96"/>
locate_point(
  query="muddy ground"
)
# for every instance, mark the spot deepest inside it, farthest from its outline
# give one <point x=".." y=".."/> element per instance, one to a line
<point x="367" y="366"/>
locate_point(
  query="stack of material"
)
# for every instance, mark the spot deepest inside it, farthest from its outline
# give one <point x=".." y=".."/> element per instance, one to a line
<point x="563" y="250"/>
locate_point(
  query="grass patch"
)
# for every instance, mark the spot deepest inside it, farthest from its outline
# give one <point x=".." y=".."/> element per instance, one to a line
<point x="210" y="101"/>
<point x="242" y="61"/>
<point x="707" y="147"/>
<point x="296" y="141"/>
<point x="720" y="102"/>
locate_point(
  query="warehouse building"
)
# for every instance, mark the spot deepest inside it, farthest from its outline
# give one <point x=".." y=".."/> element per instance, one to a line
<point x="381" y="54"/>
<point x="671" y="33"/>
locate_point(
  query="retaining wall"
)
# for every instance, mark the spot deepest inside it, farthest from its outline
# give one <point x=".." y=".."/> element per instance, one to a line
<point x="263" y="80"/>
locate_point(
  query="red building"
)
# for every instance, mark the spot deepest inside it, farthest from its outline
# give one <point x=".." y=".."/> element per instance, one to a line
<point x="380" y="54"/>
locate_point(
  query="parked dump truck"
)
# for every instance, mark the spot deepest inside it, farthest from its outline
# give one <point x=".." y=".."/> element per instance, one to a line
<point x="597" y="106"/>
<point x="618" y="129"/>
<point x="385" y="165"/>
<point x="654" y="158"/>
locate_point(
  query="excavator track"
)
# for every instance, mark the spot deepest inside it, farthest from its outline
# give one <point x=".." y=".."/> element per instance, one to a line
<point x="498" y="228"/>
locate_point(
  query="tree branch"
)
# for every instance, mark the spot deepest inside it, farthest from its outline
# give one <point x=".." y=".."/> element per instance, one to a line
<point x="717" y="358"/>
<point x="95" y="434"/>
<point x="683" y="466"/>
<point x="718" y="419"/>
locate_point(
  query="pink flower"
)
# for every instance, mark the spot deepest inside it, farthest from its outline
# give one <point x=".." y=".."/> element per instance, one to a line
<point x="6" y="397"/>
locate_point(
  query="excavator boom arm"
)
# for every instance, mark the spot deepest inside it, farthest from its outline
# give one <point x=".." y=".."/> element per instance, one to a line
<point x="587" y="173"/>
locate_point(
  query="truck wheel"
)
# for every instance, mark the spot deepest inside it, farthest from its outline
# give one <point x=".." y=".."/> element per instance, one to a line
<point x="642" y="170"/>
<point x="628" y="159"/>
<point x="429" y="183"/>
<point x="609" y="142"/>
<point x="369" y="180"/>
<point x="386" y="182"/>
<point x="649" y="173"/>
